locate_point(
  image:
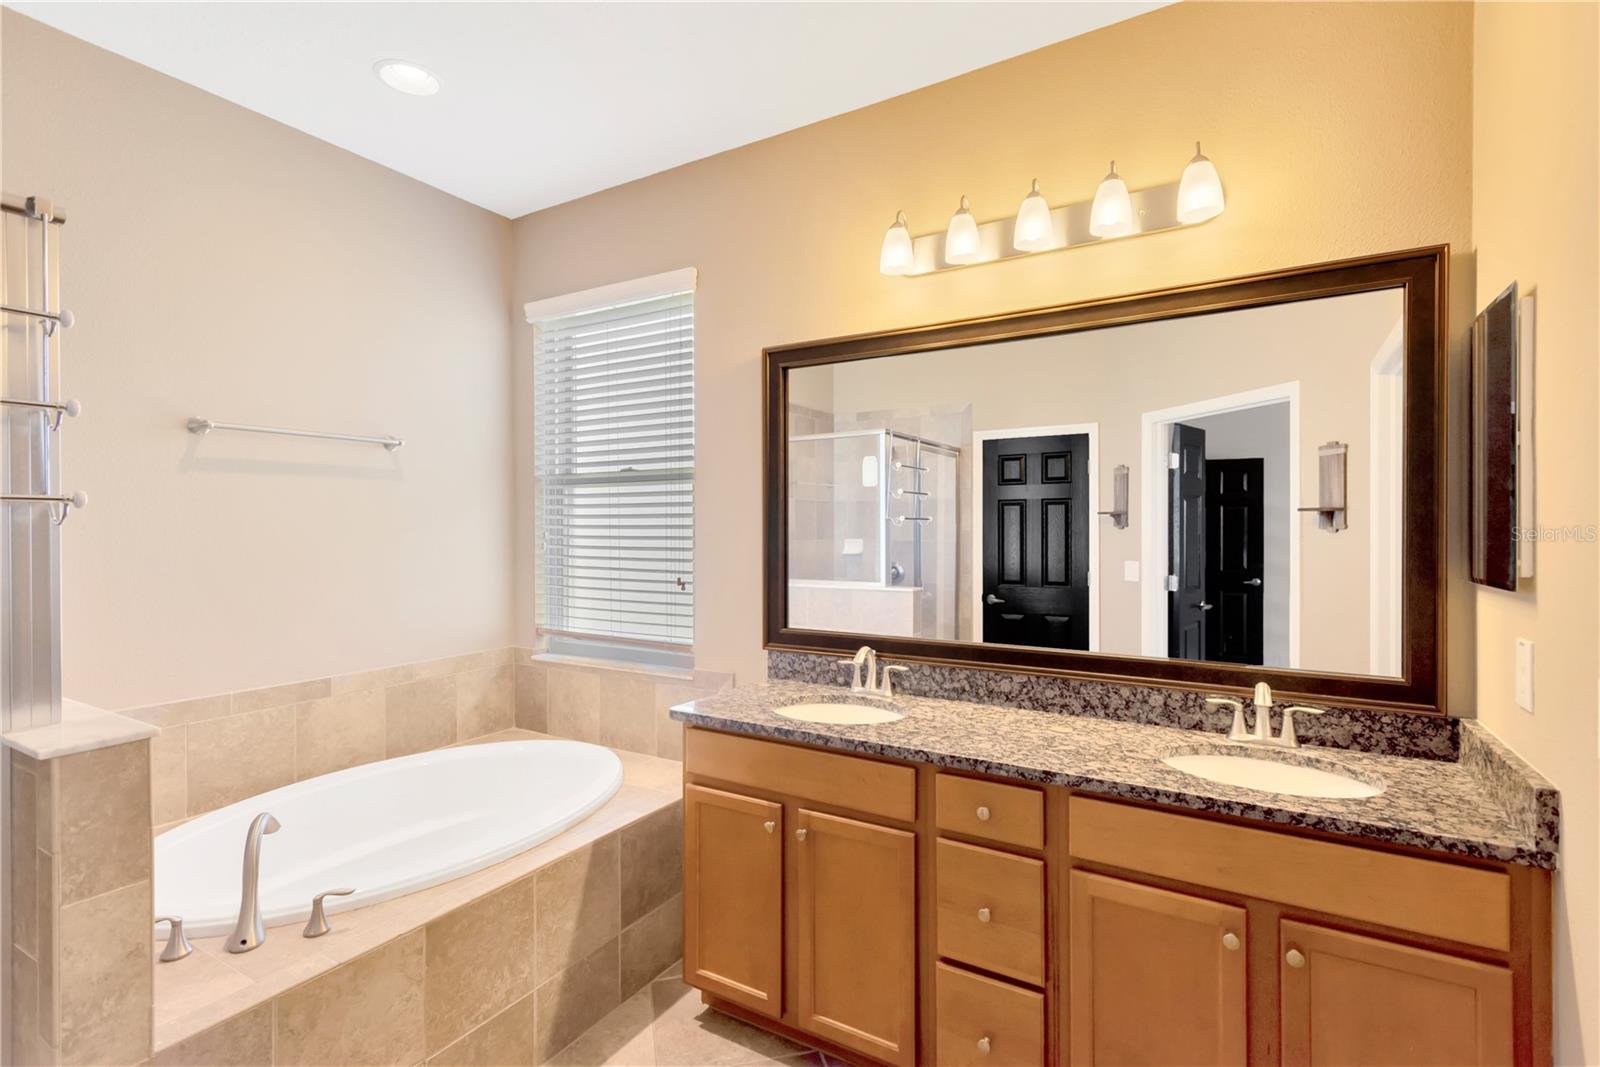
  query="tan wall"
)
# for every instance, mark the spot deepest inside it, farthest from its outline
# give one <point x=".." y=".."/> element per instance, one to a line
<point x="1339" y="129"/>
<point x="1536" y="184"/>
<point x="1112" y="377"/>
<point x="223" y="265"/>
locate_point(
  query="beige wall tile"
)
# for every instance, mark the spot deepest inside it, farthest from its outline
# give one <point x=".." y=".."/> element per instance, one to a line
<point x="651" y="945"/>
<point x="627" y="711"/>
<point x="195" y="982"/>
<point x="380" y="678"/>
<point x="669" y="733"/>
<point x="182" y="712"/>
<point x="276" y="696"/>
<point x="22" y="836"/>
<point x="480" y="961"/>
<point x="49" y="925"/>
<point x="103" y="808"/>
<point x="469" y="661"/>
<point x="579" y="906"/>
<point x="240" y="756"/>
<point x="572" y="703"/>
<point x="338" y="732"/>
<point x="577" y="998"/>
<point x="22" y="987"/>
<point x="532" y="708"/>
<point x="623" y="1038"/>
<point x="105" y="980"/>
<point x="169" y="775"/>
<point x="367" y="1012"/>
<point x="420" y="715"/>
<point x="242" y="1041"/>
<point x="651" y="862"/>
<point x="507" y="1040"/>
<point x="484" y="702"/>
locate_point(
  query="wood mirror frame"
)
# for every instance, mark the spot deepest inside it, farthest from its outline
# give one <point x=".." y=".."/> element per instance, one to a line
<point x="1420" y="273"/>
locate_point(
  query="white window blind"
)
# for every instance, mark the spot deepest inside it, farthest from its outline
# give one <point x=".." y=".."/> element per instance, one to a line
<point x="614" y="461"/>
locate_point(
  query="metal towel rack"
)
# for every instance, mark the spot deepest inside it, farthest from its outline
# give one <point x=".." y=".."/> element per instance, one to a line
<point x="198" y="425"/>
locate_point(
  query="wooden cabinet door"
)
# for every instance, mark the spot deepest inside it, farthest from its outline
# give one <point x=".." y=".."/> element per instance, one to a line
<point x="1352" y="1001"/>
<point x="855" y="936"/>
<point x="1156" y="978"/>
<point x="733" y="897"/>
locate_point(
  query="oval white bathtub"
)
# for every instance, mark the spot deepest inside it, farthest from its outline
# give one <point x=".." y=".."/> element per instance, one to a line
<point x="384" y="829"/>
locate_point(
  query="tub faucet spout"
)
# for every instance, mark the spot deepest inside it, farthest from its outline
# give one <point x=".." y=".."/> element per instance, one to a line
<point x="248" y="932"/>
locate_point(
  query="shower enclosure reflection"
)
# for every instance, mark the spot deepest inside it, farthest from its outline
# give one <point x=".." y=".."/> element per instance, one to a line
<point x="872" y="531"/>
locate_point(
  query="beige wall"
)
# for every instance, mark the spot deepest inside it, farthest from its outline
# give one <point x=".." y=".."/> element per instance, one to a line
<point x="1536" y="183"/>
<point x="223" y="265"/>
<point x="1339" y="129"/>
<point x="1112" y="377"/>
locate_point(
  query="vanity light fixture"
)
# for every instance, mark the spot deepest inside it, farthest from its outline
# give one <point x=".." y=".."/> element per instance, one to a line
<point x="1034" y="231"/>
<point x="1116" y="211"/>
<point x="961" y="243"/>
<point x="1200" y="191"/>
<point x="406" y="77"/>
<point x="1112" y="213"/>
<point x="896" y="256"/>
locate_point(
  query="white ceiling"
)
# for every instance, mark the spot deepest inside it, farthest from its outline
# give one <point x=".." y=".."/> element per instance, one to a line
<point x="542" y="103"/>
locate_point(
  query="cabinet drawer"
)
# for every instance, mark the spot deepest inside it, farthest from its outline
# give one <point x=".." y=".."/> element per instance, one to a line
<point x="1452" y="901"/>
<point x="886" y="789"/>
<point x="1008" y="814"/>
<point x="991" y="910"/>
<point x="985" y="1021"/>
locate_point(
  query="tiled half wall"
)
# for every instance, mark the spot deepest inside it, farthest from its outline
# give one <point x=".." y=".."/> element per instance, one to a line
<point x="218" y="749"/>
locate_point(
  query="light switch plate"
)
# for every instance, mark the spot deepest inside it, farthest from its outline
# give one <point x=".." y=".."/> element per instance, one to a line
<point x="1525" y="675"/>
<point x="1130" y="570"/>
<point x="852" y="546"/>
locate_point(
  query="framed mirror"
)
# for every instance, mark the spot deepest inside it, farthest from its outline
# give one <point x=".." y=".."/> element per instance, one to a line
<point x="1216" y="485"/>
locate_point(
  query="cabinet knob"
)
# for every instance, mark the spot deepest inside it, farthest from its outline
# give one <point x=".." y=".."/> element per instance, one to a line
<point x="1230" y="941"/>
<point x="769" y="826"/>
<point x="983" y="915"/>
<point x="1294" y="958"/>
<point x="800" y="834"/>
<point x="983" y="1044"/>
<point x="983" y="816"/>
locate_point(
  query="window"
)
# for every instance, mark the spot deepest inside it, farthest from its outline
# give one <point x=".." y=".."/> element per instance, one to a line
<point x="614" y="463"/>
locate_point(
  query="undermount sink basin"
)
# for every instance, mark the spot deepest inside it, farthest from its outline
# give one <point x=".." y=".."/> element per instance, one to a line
<point x="1272" y="776"/>
<point x="839" y="714"/>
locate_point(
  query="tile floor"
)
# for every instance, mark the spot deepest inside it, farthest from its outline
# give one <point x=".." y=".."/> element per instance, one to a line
<point x="665" y="1025"/>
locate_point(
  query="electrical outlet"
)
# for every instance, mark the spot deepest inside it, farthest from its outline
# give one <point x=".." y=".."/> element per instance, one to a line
<point x="1525" y="675"/>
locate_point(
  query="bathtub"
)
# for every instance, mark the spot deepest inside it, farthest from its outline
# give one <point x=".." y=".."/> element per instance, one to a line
<point x="383" y="829"/>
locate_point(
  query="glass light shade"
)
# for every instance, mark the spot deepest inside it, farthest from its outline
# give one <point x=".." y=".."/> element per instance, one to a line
<point x="1200" y="190"/>
<point x="1112" y="213"/>
<point x="1034" y="231"/>
<point x="961" y="237"/>
<point x="896" y="256"/>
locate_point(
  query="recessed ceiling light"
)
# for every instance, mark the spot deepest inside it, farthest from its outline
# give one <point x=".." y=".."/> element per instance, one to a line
<point x="406" y="77"/>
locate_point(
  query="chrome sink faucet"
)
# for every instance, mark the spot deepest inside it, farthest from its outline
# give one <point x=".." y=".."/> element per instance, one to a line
<point x="868" y="680"/>
<point x="1261" y="732"/>
<point x="248" y="932"/>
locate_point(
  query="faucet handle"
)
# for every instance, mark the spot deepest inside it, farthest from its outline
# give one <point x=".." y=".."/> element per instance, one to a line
<point x="1238" y="731"/>
<point x="1288" y="737"/>
<point x="889" y="672"/>
<point x="317" y="925"/>
<point x="177" y="942"/>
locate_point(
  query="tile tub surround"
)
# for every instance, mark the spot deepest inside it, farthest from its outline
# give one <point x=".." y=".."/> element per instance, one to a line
<point x="607" y="704"/>
<point x="506" y="965"/>
<point x="80" y="894"/>
<point x="1379" y="732"/>
<point x="1427" y="803"/>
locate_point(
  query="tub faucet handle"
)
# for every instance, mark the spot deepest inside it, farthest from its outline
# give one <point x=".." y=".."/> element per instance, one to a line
<point x="317" y="925"/>
<point x="177" y="941"/>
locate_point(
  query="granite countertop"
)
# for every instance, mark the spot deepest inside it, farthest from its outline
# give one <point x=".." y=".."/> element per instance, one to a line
<point x="1490" y="806"/>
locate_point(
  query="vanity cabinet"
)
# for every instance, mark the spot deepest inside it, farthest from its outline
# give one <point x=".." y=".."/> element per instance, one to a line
<point x="904" y="914"/>
<point x="733" y="897"/>
<point x="855" y="942"/>
<point x="1157" y="977"/>
<point x="1345" y="999"/>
